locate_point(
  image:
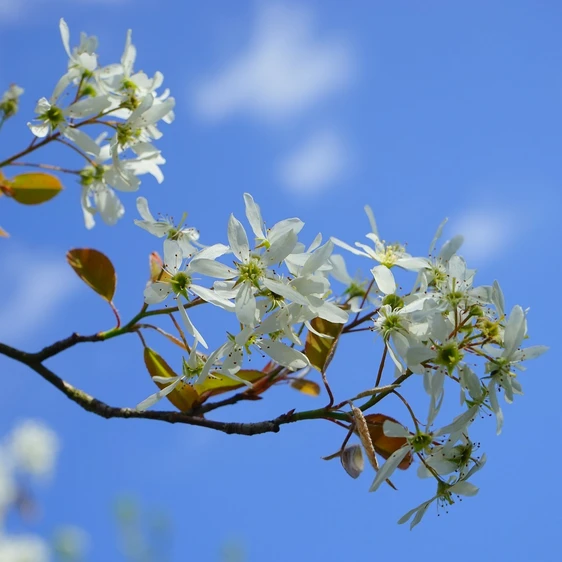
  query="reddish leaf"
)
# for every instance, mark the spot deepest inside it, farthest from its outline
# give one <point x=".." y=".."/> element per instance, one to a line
<point x="95" y="269"/>
<point x="385" y="446"/>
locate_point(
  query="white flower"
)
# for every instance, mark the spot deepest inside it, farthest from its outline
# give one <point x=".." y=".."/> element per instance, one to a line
<point x="444" y="496"/>
<point x="97" y="197"/>
<point x="179" y="281"/>
<point x="233" y="350"/>
<point x="436" y="271"/>
<point x="51" y="117"/>
<point x="417" y="442"/>
<point x="505" y="360"/>
<point x="125" y="87"/>
<point x="265" y="239"/>
<point x="252" y="268"/>
<point x="388" y="255"/>
<point x="191" y="369"/>
<point x="184" y="236"/>
<point x="34" y="448"/>
<point x="82" y="59"/>
<point x="10" y="101"/>
<point x="140" y="126"/>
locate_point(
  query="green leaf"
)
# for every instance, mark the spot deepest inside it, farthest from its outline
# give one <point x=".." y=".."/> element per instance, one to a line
<point x="218" y="383"/>
<point x="33" y="188"/>
<point x="184" y="396"/>
<point x="321" y="350"/>
<point x="95" y="269"/>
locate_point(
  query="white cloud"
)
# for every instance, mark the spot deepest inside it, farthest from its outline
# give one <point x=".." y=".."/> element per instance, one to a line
<point x="285" y="69"/>
<point x="316" y="164"/>
<point x="31" y="296"/>
<point x="486" y="233"/>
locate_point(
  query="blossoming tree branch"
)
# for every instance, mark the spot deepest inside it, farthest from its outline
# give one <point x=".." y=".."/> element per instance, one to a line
<point x="443" y="332"/>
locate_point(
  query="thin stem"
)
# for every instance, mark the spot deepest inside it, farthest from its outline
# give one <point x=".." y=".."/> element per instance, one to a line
<point x="46" y="167"/>
<point x="381" y="366"/>
<point x="364" y="300"/>
<point x="33" y="146"/>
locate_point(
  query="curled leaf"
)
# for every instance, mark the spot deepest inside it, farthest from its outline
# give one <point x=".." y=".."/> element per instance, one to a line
<point x="306" y="387"/>
<point x="32" y="188"/>
<point x="184" y="397"/>
<point x="352" y="460"/>
<point x="95" y="269"/>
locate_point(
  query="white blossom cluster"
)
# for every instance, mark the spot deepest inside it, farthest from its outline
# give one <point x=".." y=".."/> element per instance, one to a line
<point x="271" y="285"/>
<point x="441" y="330"/>
<point x="30" y="449"/>
<point x="118" y="98"/>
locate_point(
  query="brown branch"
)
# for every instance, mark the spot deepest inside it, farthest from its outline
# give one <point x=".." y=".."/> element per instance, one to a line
<point x="91" y="404"/>
<point x="48" y="351"/>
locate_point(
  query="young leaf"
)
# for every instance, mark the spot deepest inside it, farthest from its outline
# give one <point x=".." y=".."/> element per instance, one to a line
<point x="184" y="396"/>
<point x="157" y="271"/>
<point x="33" y="188"/>
<point x="218" y="384"/>
<point x="384" y="445"/>
<point x="306" y="387"/>
<point x="320" y="350"/>
<point x="95" y="269"/>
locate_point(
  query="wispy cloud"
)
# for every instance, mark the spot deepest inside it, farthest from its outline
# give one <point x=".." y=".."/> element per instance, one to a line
<point x="31" y="299"/>
<point x="285" y="69"/>
<point x="316" y="164"/>
<point x="486" y="233"/>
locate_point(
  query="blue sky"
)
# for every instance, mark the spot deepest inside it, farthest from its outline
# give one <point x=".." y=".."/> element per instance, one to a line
<point x="423" y="111"/>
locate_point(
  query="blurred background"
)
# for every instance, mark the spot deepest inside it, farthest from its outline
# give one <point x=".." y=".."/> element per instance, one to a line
<point x="421" y="110"/>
